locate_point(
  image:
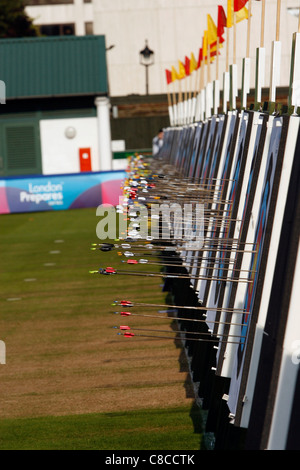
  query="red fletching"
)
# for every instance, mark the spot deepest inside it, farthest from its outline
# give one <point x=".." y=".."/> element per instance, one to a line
<point x="109" y="269"/>
<point x="132" y="261"/>
<point x="128" y="335"/>
<point x="124" y="327"/>
<point x="125" y="314"/>
<point x="126" y="302"/>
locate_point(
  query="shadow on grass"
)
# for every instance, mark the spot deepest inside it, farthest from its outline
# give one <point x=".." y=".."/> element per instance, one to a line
<point x="196" y="413"/>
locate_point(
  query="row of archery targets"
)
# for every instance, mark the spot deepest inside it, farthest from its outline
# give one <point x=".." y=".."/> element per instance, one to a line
<point x="235" y="293"/>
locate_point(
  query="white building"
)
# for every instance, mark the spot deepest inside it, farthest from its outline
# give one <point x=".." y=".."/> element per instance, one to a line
<point x="173" y="28"/>
<point x="62" y="17"/>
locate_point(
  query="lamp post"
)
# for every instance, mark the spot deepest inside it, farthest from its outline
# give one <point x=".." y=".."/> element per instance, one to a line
<point x="146" y="59"/>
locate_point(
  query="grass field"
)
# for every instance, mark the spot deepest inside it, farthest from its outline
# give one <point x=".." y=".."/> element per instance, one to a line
<point x="70" y="382"/>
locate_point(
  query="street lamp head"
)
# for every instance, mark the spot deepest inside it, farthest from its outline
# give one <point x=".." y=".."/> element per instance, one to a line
<point x="146" y="55"/>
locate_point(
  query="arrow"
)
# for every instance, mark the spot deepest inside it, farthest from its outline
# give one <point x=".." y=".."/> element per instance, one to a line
<point x="197" y="320"/>
<point x="127" y="303"/>
<point x="111" y="270"/>
<point x="207" y="268"/>
<point x="130" y="335"/>
<point x="162" y="248"/>
<point x="125" y="328"/>
<point x="216" y="260"/>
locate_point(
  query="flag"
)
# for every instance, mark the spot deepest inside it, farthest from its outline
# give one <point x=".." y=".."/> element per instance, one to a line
<point x="174" y="74"/>
<point x="214" y="44"/>
<point x="187" y="66"/>
<point x="241" y="15"/>
<point x="212" y="49"/>
<point x="169" y="77"/>
<point x="229" y="13"/>
<point x="193" y="63"/>
<point x="204" y="44"/>
<point x="212" y="55"/>
<point x="181" y="73"/>
<point x="222" y="21"/>
<point x="200" y="58"/>
<point x="239" y="4"/>
<point x="211" y="30"/>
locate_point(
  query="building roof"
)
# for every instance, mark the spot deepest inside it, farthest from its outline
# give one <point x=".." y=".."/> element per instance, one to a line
<point x="53" y="66"/>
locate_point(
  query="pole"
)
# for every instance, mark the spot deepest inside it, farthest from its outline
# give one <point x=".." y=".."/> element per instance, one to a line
<point x="147" y="80"/>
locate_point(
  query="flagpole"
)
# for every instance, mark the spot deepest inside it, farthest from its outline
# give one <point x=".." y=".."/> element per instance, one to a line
<point x="217" y="61"/>
<point x="226" y="78"/>
<point x="191" y="100"/>
<point x="197" y="74"/>
<point x="216" y="91"/>
<point x="199" y="88"/>
<point x="234" y="38"/>
<point x="202" y="91"/>
<point x="185" y="104"/>
<point x="233" y="67"/>
<point x="194" y="94"/>
<point x="294" y="88"/>
<point x="169" y="105"/>
<point x="275" y="62"/>
<point x="246" y="63"/>
<point x="260" y="62"/>
<point x="278" y="20"/>
<point x="208" y="84"/>
<point x="248" y="29"/>
<point x="179" y="102"/>
<point x="208" y="64"/>
<point x="227" y="50"/>
<point x="262" y="30"/>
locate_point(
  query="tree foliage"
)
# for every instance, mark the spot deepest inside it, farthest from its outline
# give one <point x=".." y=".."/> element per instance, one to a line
<point x="14" y="21"/>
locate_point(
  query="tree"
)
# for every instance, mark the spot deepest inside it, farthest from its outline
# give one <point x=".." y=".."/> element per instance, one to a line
<point x="14" y="21"/>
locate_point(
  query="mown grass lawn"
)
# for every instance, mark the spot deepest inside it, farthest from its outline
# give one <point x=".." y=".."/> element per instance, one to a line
<point x="70" y="382"/>
<point x="159" y="429"/>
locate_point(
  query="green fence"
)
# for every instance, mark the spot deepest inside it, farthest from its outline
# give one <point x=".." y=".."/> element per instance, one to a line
<point x="128" y="153"/>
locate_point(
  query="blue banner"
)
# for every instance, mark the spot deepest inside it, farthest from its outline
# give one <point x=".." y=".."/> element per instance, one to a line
<point x="60" y="192"/>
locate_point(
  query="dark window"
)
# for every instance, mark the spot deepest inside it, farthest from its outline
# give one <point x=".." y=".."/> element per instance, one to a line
<point x="46" y="2"/>
<point x="57" y="29"/>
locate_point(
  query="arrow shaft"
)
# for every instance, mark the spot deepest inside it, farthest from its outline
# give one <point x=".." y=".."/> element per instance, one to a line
<point x="187" y="339"/>
<point x="178" y="331"/>
<point x="177" y="276"/>
<point x="221" y="309"/>
<point x="207" y="268"/>
<point x="163" y="248"/>
<point x="197" y="320"/>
